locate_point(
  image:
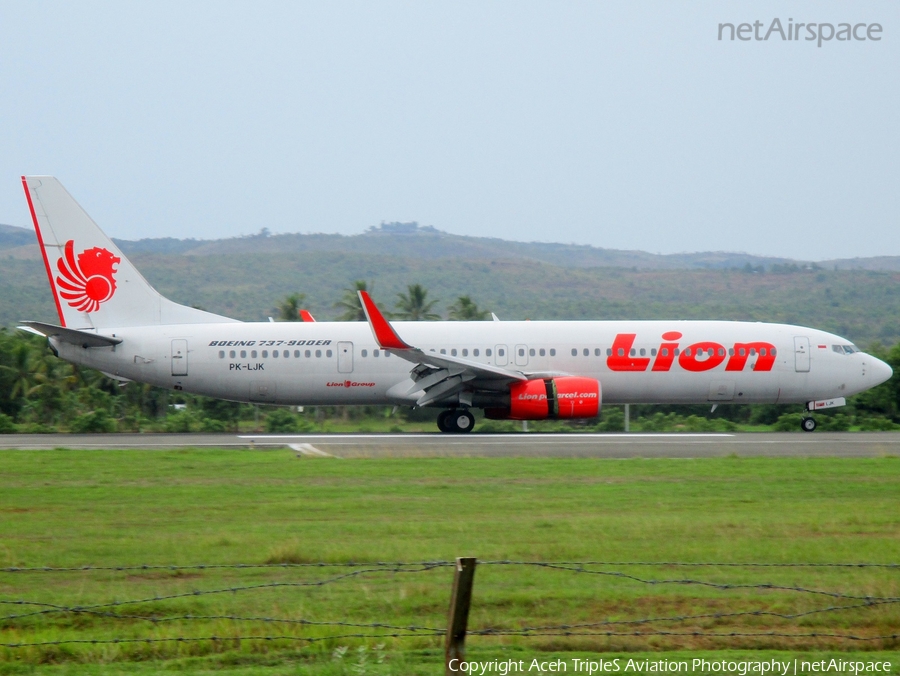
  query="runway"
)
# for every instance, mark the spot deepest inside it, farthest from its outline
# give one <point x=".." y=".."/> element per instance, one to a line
<point x="817" y="444"/>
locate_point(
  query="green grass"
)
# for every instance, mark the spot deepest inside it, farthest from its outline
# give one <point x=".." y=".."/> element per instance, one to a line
<point x="102" y="508"/>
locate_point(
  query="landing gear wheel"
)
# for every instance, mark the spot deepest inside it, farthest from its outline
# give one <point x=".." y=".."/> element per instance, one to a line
<point x="463" y="421"/>
<point x="808" y="424"/>
<point x="455" y="420"/>
<point x="443" y="421"/>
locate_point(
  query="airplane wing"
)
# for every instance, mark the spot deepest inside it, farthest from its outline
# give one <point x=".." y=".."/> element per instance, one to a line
<point x="436" y="376"/>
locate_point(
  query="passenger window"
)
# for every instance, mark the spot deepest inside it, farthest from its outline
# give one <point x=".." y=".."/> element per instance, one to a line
<point x="742" y="352"/>
<point x="677" y="351"/>
<point x="721" y="351"/>
<point x="475" y="352"/>
<point x="318" y="353"/>
<point x="274" y="353"/>
<point x="687" y="352"/>
<point x="665" y="352"/>
<point x="552" y="351"/>
<point x="633" y="352"/>
<point x="465" y="352"/>
<point x="773" y="352"/>
<point x="543" y="352"/>
<point x="643" y="351"/>
<point x="253" y="353"/>
<point x="328" y="353"/>
<point x="609" y="352"/>
<point x="221" y="354"/>
<point x="364" y="353"/>
<point x="522" y="352"/>
<point x="597" y="352"/>
<point x="375" y="353"/>
<point x="531" y="352"/>
<point x="574" y="352"/>
<point x="297" y="354"/>
<point x="621" y="351"/>
<point x="265" y="353"/>
<point x="731" y="351"/>
<point x="652" y="351"/>
<point x="501" y="352"/>
<point x="307" y="354"/>
<point x="243" y="354"/>
<point x="762" y="351"/>
<point x="487" y="352"/>
<point x="586" y="352"/>
<point x="443" y="350"/>
<point x="453" y="352"/>
<point x="231" y="354"/>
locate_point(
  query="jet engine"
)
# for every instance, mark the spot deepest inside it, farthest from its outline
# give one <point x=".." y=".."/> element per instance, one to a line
<point x="563" y="397"/>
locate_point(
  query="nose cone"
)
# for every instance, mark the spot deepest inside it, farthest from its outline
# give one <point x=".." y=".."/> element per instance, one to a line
<point x="880" y="371"/>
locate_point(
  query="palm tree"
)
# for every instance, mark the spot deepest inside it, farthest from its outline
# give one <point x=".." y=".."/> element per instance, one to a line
<point x="413" y="305"/>
<point x="289" y="308"/>
<point x="465" y="310"/>
<point x="353" y="309"/>
<point x="20" y="370"/>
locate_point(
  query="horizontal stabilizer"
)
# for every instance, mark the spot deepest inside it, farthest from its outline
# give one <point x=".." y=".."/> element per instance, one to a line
<point x="80" y="338"/>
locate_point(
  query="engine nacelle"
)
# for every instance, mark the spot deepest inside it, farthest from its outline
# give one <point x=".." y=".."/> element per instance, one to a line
<point x="564" y="397"/>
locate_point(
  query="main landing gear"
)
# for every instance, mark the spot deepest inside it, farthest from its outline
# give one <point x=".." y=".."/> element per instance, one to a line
<point x="808" y="424"/>
<point x="456" y="420"/>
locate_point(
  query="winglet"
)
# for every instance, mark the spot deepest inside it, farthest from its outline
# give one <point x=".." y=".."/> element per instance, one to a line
<point x="384" y="333"/>
<point x="306" y="316"/>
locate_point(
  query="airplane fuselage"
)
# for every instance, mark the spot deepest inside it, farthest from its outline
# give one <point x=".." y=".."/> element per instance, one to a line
<point x="325" y="363"/>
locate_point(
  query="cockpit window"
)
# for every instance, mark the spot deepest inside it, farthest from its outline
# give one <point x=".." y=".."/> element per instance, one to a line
<point x="845" y="349"/>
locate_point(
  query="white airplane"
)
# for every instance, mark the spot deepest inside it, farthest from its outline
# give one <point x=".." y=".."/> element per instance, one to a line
<point x="111" y="319"/>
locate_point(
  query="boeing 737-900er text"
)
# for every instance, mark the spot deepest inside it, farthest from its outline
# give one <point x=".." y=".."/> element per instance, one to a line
<point x="111" y="319"/>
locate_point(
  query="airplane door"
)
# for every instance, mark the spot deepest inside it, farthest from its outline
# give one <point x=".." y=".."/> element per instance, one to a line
<point x="179" y="357"/>
<point x="801" y="354"/>
<point x="521" y="355"/>
<point x="345" y="357"/>
<point x="501" y="358"/>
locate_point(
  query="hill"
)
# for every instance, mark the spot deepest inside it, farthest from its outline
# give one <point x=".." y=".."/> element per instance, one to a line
<point x="245" y="277"/>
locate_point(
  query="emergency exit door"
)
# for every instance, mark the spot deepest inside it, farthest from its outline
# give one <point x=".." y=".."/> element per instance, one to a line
<point x="801" y="354"/>
<point x="500" y="356"/>
<point x="521" y="355"/>
<point x="179" y="357"/>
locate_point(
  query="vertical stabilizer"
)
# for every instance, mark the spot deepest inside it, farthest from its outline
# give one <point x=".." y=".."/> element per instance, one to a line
<point x="93" y="283"/>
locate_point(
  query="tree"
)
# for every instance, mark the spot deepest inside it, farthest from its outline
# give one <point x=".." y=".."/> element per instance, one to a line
<point x="465" y="310"/>
<point x="413" y="305"/>
<point x="353" y="309"/>
<point x="289" y="308"/>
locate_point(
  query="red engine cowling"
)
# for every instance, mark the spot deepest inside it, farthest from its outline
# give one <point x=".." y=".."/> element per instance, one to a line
<point x="565" y="397"/>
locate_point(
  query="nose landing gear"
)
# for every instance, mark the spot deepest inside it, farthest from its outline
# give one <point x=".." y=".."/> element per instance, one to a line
<point x="456" y="421"/>
<point x="808" y="424"/>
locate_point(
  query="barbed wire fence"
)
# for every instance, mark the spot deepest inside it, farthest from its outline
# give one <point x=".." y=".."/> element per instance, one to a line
<point x="456" y="629"/>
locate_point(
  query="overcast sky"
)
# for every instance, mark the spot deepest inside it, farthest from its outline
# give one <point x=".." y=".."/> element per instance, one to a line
<point x="622" y="125"/>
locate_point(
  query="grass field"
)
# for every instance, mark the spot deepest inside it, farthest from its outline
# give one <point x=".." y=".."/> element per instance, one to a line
<point x="126" y="508"/>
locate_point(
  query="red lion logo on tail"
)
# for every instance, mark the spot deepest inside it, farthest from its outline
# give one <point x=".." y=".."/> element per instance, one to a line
<point x="89" y="280"/>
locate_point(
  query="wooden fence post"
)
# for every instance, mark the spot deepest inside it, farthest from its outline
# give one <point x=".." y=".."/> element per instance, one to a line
<point x="458" y="619"/>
